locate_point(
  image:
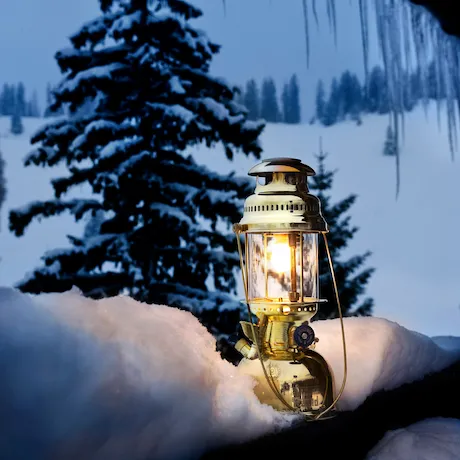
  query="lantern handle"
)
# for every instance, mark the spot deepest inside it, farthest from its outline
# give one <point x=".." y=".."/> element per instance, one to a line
<point x="344" y="344"/>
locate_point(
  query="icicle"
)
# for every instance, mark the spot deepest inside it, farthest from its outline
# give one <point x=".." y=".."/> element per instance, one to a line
<point x="315" y="12"/>
<point x="397" y="158"/>
<point x="224" y="3"/>
<point x="332" y="17"/>
<point x="307" y="30"/>
<point x="363" y="15"/>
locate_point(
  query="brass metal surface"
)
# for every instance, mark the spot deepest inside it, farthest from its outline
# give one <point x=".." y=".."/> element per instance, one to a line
<point x="291" y="376"/>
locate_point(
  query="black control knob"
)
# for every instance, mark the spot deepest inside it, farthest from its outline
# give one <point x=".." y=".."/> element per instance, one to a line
<point x="304" y="335"/>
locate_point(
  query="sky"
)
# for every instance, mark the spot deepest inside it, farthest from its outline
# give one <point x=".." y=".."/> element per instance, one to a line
<point x="259" y="38"/>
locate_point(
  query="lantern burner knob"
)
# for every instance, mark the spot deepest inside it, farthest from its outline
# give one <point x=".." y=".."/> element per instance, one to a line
<point x="304" y="335"/>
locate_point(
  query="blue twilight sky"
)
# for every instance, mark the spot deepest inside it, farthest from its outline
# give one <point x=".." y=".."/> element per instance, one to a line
<point x="259" y="38"/>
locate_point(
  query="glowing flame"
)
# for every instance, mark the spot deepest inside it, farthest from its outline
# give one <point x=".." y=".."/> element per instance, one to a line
<point x="279" y="254"/>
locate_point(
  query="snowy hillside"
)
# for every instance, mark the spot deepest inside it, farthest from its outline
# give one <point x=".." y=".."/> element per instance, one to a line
<point x="413" y="240"/>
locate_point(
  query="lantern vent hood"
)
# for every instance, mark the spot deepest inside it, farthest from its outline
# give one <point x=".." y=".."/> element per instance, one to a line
<point x="281" y="199"/>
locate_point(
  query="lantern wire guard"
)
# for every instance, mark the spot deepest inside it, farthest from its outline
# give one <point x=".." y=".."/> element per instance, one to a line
<point x="315" y="224"/>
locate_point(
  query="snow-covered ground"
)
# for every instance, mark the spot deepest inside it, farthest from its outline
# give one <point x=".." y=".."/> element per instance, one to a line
<point x="116" y="379"/>
<point x="413" y="239"/>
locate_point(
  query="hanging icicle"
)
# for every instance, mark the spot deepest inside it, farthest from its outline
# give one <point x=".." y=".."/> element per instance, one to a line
<point x="307" y="31"/>
<point x="405" y="31"/>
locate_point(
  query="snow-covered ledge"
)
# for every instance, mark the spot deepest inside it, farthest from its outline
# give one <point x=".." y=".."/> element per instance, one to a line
<point x="116" y="379"/>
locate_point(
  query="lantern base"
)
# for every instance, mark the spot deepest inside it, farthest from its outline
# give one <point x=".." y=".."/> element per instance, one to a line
<point x="305" y="382"/>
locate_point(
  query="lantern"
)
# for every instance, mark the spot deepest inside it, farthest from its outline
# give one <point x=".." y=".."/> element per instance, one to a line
<point x="280" y="228"/>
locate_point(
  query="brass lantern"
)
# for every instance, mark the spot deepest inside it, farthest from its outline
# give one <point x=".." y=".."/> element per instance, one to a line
<point x="281" y="225"/>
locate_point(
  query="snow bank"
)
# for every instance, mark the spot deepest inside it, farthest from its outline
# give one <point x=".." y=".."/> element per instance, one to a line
<point x="381" y="355"/>
<point x="116" y="379"/>
<point x="427" y="440"/>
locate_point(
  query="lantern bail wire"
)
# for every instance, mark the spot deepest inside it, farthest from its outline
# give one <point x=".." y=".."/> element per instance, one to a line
<point x="286" y="182"/>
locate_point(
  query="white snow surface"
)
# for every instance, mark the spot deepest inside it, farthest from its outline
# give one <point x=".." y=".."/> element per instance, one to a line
<point x="431" y="439"/>
<point x="118" y="379"/>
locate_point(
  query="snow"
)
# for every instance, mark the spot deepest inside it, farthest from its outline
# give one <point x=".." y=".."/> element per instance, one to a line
<point x="139" y="381"/>
<point x="415" y="251"/>
<point x="146" y="382"/>
<point x="426" y="440"/>
<point x="176" y="85"/>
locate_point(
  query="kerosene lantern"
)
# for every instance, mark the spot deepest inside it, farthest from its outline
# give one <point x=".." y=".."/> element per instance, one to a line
<point x="281" y="226"/>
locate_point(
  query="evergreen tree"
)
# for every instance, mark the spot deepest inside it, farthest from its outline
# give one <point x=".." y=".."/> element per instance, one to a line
<point x="294" y="100"/>
<point x="350" y="275"/>
<point x="7" y="101"/>
<point x="33" y="108"/>
<point x="239" y="95"/>
<point x="252" y="100"/>
<point x="390" y="147"/>
<point x="320" y="102"/>
<point x="331" y="113"/>
<point x="377" y="92"/>
<point x="16" y="124"/>
<point x="408" y="98"/>
<point x="269" y="102"/>
<point x="143" y="70"/>
<point x="285" y="103"/>
<point x="20" y="107"/>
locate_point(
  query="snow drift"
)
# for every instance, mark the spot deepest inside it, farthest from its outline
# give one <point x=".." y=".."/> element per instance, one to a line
<point x="118" y="379"/>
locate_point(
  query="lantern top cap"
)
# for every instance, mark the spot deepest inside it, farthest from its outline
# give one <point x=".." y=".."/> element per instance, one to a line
<point x="282" y="165"/>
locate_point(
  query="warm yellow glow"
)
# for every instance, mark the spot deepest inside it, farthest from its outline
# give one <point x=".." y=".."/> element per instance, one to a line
<point x="286" y="309"/>
<point x="279" y="254"/>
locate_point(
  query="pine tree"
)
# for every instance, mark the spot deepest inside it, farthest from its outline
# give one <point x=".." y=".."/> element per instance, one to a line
<point x="331" y="113"/>
<point x="252" y="100"/>
<point x="269" y="102"/>
<point x="350" y="274"/>
<point x="320" y="102"/>
<point x="390" y="147"/>
<point x="285" y="103"/>
<point x="408" y="98"/>
<point x="16" y="124"/>
<point x="141" y="73"/>
<point x="20" y="100"/>
<point x="377" y="92"/>
<point x="33" y="109"/>
<point x="294" y="100"/>
<point x="7" y="102"/>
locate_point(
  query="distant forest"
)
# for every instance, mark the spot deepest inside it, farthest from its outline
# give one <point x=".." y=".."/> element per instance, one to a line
<point x="347" y="99"/>
<point x="15" y="100"/>
<point x="262" y="101"/>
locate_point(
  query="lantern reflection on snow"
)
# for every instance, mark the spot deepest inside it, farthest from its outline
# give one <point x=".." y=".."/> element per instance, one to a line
<point x="280" y="225"/>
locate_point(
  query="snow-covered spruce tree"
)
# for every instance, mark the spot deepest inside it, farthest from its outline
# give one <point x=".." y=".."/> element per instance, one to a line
<point x="350" y="274"/>
<point x="139" y="94"/>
